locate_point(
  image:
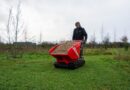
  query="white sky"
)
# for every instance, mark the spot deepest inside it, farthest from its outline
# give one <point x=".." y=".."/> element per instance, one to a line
<point x="56" y="18"/>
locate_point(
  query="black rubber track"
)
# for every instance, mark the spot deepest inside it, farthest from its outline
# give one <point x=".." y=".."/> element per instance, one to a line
<point x="71" y="65"/>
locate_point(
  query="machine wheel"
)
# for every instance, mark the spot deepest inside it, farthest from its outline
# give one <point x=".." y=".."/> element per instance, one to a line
<point x="71" y="65"/>
<point x="60" y="65"/>
<point x="79" y="63"/>
<point x="56" y="65"/>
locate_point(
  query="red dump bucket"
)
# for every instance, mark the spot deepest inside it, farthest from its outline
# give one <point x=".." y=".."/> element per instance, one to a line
<point x="66" y="52"/>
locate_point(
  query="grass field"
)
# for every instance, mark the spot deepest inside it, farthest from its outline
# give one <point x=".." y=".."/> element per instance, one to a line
<point x="35" y="71"/>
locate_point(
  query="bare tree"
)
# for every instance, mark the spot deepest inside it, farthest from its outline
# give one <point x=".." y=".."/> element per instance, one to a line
<point x="17" y="25"/>
<point x="9" y="25"/>
<point x="124" y="39"/>
<point x="40" y="38"/>
<point x="93" y="41"/>
<point x="114" y="35"/>
<point x="106" y="41"/>
<point x="14" y="27"/>
<point x="102" y="33"/>
<point x="8" y="31"/>
<point x="114" y="38"/>
<point x="0" y="40"/>
<point x="125" y="42"/>
<point x="25" y="35"/>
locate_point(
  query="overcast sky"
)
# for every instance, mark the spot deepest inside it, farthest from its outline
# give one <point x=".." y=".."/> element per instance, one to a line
<point x="55" y="18"/>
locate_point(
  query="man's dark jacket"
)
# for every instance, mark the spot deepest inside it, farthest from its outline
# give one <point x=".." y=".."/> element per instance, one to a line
<point x="80" y="34"/>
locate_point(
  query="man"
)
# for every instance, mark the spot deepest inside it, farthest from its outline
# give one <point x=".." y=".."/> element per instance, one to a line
<point x="80" y="34"/>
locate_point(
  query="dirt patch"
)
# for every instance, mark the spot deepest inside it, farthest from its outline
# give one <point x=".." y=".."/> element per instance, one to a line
<point x="63" y="47"/>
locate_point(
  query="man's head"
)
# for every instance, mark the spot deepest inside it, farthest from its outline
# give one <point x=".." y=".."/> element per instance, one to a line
<point x="77" y="24"/>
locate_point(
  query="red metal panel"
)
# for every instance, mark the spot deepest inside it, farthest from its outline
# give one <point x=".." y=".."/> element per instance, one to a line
<point x="72" y="55"/>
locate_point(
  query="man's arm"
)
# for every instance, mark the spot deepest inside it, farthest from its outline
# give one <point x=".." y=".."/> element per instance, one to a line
<point x="73" y="35"/>
<point x="85" y="35"/>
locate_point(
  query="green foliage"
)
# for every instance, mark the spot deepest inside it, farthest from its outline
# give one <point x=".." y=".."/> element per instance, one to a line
<point x="100" y="51"/>
<point x="126" y="46"/>
<point x="122" y="55"/>
<point x="35" y="71"/>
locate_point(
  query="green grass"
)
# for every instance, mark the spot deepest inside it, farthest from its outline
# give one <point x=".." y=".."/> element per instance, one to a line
<point x="35" y="71"/>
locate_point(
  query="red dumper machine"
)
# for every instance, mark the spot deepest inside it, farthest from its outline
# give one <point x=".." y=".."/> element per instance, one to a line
<point x="67" y="54"/>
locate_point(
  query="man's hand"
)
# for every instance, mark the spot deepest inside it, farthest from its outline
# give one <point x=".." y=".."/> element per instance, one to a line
<point x="84" y="42"/>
